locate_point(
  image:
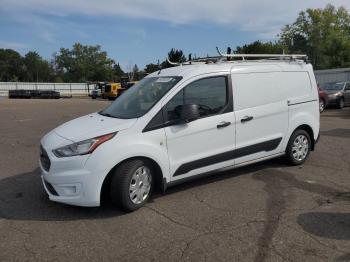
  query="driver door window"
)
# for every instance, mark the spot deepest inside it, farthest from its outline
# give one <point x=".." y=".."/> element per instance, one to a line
<point x="210" y="94"/>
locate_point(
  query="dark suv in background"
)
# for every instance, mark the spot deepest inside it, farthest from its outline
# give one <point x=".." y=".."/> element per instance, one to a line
<point x="338" y="93"/>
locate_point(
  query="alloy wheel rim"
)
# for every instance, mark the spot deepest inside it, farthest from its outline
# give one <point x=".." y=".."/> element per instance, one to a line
<point x="140" y="185"/>
<point x="300" y="147"/>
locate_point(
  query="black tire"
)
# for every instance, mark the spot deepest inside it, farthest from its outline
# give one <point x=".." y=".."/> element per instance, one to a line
<point x="341" y="103"/>
<point x="289" y="151"/>
<point x="121" y="181"/>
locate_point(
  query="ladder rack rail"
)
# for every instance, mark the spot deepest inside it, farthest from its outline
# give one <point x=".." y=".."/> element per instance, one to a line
<point x="281" y="56"/>
<point x="217" y="59"/>
<point x="211" y="59"/>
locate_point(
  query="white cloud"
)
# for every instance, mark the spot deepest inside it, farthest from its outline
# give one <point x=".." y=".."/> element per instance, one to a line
<point x="263" y="17"/>
<point x="13" y="45"/>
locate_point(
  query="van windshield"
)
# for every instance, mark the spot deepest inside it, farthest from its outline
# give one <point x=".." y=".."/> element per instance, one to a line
<point x="140" y="98"/>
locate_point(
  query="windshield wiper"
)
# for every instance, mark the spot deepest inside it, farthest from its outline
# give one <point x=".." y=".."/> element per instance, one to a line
<point x="106" y="114"/>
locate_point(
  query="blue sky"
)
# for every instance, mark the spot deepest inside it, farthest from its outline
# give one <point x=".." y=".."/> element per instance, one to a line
<point x="141" y="32"/>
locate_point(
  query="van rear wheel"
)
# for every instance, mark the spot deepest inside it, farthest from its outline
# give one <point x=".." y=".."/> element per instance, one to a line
<point x="298" y="147"/>
<point x="132" y="184"/>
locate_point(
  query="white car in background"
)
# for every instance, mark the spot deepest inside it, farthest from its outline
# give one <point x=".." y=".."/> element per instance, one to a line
<point x="181" y="122"/>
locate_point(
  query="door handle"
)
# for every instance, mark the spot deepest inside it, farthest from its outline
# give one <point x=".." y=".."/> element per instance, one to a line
<point x="246" y="119"/>
<point x="223" y="124"/>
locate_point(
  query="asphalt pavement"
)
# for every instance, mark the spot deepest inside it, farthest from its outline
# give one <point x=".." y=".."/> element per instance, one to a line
<point x="266" y="212"/>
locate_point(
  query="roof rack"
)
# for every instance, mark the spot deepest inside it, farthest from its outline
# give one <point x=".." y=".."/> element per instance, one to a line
<point x="280" y="56"/>
<point x="228" y="56"/>
<point x="207" y="60"/>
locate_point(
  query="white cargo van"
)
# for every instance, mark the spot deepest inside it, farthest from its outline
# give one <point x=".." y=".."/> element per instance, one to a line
<point x="181" y="122"/>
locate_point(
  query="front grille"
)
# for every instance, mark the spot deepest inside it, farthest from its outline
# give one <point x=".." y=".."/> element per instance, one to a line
<point x="50" y="188"/>
<point x="44" y="159"/>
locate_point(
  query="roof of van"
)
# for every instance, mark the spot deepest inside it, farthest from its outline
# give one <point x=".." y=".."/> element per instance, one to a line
<point x="236" y="66"/>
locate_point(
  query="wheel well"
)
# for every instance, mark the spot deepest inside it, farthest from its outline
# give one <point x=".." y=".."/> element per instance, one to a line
<point x="309" y="130"/>
<point x="105" y="190"/>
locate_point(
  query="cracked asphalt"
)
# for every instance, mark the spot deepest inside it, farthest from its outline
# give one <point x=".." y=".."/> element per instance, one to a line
<point x="265" y="212"/>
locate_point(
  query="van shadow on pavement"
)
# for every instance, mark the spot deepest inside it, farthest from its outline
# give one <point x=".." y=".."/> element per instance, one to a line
<point x="22" y="197"/>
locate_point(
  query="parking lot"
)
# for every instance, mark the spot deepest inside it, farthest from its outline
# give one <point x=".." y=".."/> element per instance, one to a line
<point x="265" y="212"/>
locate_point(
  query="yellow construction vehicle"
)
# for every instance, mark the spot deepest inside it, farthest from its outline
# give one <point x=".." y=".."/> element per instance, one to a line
<point x="111" y="91"/>
<point x="125" y="83"/>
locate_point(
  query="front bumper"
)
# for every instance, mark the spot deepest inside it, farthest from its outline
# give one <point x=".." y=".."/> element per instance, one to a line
<point x="73" y="187"/>
<point x="67" y="180"/>
<point x="333" y="100"/>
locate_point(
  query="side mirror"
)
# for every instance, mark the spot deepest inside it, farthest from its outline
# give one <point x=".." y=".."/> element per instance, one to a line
<point x="189" y="112"/>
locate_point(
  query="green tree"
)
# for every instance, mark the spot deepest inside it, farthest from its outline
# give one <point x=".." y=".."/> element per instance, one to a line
<point x="258" y="47"/>
<point x="11" y="65"/>
<point x="117" y="72"/>
<point x="36" y="68"/>
<point x="150" y="68"/>
<point x="84" y="63"/>
<point x="322" y="34"/>
<point x="176" y="56"/>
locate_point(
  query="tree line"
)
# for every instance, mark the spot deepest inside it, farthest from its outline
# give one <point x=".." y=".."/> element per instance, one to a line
<point x="322" y="34"/>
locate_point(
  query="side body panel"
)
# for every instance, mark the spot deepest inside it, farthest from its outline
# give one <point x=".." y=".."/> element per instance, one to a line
<point x="259" y="95"/>
<point x="304" y="107"/>
<point x="198" y="147"/>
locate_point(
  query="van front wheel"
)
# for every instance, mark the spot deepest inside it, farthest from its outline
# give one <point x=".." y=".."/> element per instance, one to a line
<point x="132" y="184"/>
<point x="298" y="148"/>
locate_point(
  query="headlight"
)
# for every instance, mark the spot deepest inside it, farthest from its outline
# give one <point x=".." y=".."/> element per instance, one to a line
<point x="336" y="94"/>
<point x="83" y="147"/>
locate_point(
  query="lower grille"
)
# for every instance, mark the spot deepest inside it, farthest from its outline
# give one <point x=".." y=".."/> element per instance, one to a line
<point x="44" y="159"/>
<point x="50" y="188"/>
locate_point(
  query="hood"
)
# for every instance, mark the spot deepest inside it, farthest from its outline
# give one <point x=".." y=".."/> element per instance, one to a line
<point x="51" y="141"/>
<point x="92" y="125"/>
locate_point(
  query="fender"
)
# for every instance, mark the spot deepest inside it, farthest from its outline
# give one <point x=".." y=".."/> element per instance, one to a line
<point x="299" y="117"/>
<point x="125" y="146"/>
